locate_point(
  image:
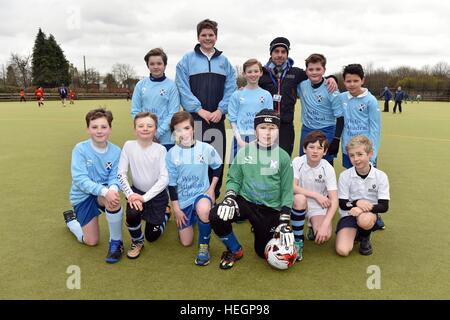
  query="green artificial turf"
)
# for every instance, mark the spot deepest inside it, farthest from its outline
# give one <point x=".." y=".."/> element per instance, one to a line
<point x="413" y="253"/>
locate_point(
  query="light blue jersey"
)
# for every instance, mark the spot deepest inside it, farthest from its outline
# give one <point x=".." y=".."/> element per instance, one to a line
<point x="188" y="170"/>
<point x="93" y="171"/>
<point x="160" y="98"/>
<point x="319" y="107"/>
<point x="244" y="105"/>
<point x="361" y="117"/>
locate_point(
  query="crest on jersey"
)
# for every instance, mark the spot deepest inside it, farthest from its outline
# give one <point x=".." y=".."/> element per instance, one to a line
<point x="374" y="186"/>
<point x="273" y="164"/>
<point x="262" y="100"/>
<point x="319" y="98"/>
<point x="201" y="158"/>
<point x="162" y="92"/>
<point x="108" y="165"/>
<point x="362" y="107"/>
<point x="89" y="163"/>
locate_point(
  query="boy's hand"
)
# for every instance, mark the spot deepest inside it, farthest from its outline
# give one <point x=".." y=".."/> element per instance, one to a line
<point x="180" y="217"/>
<point x="216" y="116"/>
<point x="205" y="115"/>
<point x="364" y="205"/>
<point x="323" y="234"/>
<point x="136" y="205"/>
<point x="113" y="198"/>
<point x="355" y="211"/>
<point x="331" y="85"/>
<point x="323" y="201"/>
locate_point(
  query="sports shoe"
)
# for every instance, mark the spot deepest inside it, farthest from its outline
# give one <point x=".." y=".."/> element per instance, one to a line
<point x="229" y="258"/>
<point x="69" y="215"/>
<point x="115" y="251"/>
<point x="299" y="248"/>
<point x="380" y="223"/>
<point x="310" y="235"/>
<point x="202" y="255"/>
<point x="135" y="249"/>
<point x="365" y="246"/>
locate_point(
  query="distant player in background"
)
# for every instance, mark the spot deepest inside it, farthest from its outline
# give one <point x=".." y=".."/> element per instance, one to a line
<point x="387" y="96"/>
<point x="72" y="96"/>
<point x="398" y="98"/>
<point x="63" y="93"/>
<point x="128" y="95"/>
<point x="22" y="95"/>
<point x="39" y="94"/>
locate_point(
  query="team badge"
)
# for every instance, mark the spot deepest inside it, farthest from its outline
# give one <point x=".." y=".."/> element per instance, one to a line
<point x="319" y="98"/>
<point x="362" y="107"/>
<point x="273" y="164"/>
<point x="320" y="176"/>
<point x="162" y="92"/>
<point x="262" y="100"/>
<point x="108" y="165"/>
<point x="374" y="186"/>
<point x="200" y="158"/>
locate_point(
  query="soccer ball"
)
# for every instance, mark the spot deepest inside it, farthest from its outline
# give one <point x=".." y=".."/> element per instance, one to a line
<point x="280" y="257"/>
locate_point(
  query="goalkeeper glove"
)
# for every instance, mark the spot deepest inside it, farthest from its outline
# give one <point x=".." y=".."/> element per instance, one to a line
<point x="333" y="149"/>
<point x="228" y="206"/>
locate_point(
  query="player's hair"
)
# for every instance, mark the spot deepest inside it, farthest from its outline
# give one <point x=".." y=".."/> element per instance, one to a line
<point x="99" y="113"/>
<point x="251" y="62"/>
<point x="358" y="141"/>
<point x="158" y="52"/>
<point x="314" y="136"/>
<point x="354" y="68"/>
<point x="316" y="58"/>
<point x="206" y="24"/>
<point x="179" y="117"/>
<point x="145" y="115"/>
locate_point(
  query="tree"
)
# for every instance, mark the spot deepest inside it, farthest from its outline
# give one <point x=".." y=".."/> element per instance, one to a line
<point x="22" y="69"/>
<point x="124" y="73"/>
<point x="92" y="77"/>
<point x="110" y="81"/>
<point x="11" y="77"/>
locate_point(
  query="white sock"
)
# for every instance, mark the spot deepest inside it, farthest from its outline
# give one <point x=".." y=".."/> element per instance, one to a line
<point x="115" y="225"/>
<point x="75" y="228"/>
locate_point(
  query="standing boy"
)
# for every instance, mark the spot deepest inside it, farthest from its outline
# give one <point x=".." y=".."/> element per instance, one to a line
<point x="259" y="188"/>
<point x="315" y="192"/>
<point x="363" y="195"/>
<point x="398" y="98"/>
<point x="387" y="96"/>
<point x="158" y="95"/>
<point x="22" y="95"/>
<point x="39" y="94"/>
<point x="95" y="186"/>
<point x="206" y="79"/>
<point x="245" y="104"/>
<point x="63" y="93"/>
<point x="190" y="191"/>
<point x="321" y="110"/>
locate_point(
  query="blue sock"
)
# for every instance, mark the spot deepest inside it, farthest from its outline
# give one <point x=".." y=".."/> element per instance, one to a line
<point x="75" y="227"/>
<point x="231" y="242"/>
<point x="204" y="232"/>
<point x="298" y="223"/>
<point x="115" y="225"/>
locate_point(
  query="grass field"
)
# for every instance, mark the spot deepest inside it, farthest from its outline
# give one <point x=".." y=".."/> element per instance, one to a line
<point x="413" y="253"/>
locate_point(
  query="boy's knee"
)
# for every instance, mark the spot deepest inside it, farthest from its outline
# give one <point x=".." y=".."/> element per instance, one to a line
<point x="111" y="208"/>
<point x="299" y="202"/>
<point x="366" y="221"/>
<point x="91" y="242"/>
<point x="343" y="252"/>
<point x="186" y="243"/>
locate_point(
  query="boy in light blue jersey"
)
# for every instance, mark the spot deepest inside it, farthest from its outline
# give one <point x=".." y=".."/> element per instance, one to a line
<point x="361" y="113"/>
<point x="158" y="95"/>
<point x="245" y="104"/>
<point x="190" y="191"/>
<point x="321" y="110"/>
<point x="95" y="186"/>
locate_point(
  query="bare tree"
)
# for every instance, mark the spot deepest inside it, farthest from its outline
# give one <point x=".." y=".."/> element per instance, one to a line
<point x="441" y="69"/>
<point x="22" y="68"/>
<point x="123" y="73"/>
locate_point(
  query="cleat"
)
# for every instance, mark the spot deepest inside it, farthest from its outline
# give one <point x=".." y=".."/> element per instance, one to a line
<point x="202" y="258"/>
<point x="135" y="249"/>
<point x="229" y="258"/>
<point x="310" y="235"/>
<point x="115" y="251"/>
<point x="365" y="247"/>
<point x="69" y="215"/>
<point x="299" y="247"/>
<point x="380" y="223"/>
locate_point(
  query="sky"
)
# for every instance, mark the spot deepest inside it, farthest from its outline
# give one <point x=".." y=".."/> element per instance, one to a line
<point x="382" y="33"/>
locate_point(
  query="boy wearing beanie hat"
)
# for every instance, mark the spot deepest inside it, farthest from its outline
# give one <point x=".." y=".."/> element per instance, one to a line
<point x="281" y="79"/>
<point x="260" y="189"/>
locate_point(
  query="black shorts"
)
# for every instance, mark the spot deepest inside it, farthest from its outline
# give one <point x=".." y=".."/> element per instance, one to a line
<point x="350" y="222"/>
<point x="154" y="210"/>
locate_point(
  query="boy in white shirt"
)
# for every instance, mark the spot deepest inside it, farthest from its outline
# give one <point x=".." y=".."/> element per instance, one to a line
<point x="363" y="194"/>
<point x="147" y="198"/>
<point x="315" y="191"/>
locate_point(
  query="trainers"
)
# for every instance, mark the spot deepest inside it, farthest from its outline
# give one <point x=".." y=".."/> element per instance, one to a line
<point x="69" y="215"/>
<point x="115" y="251"/>
<point x="380" y="223"/>
<point x="135" y="249"/>
<point x="202" y="255"/>
<point x="310" y="235"/>
<point x="229" y="258"/>
<point x="365" y="246"/>
<point x="299" y="248"/>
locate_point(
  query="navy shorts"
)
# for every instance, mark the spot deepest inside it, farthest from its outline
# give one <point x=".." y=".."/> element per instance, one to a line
<point x="190" y="212"/>
<point x="154" y="210"/>
<point x="88" y="210"/>
<point x="351" y="222"/>
<point x="329" y="133"/>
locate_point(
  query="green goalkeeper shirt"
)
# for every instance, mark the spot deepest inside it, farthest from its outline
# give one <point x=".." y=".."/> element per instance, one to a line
<point x="262" y="176"/>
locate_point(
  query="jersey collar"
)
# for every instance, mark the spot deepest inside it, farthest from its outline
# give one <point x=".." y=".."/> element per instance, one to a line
<point x="364" y="94"/>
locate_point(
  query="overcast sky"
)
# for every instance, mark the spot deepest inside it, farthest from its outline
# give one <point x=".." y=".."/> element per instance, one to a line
<point x="386" y="33"/>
